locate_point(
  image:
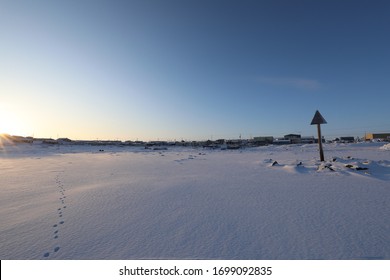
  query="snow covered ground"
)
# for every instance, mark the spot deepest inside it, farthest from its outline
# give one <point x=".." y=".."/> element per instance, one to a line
<point x="274" y="202"/>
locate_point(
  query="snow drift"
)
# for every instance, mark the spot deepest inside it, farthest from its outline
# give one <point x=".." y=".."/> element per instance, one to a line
<point x="275" y="202"/>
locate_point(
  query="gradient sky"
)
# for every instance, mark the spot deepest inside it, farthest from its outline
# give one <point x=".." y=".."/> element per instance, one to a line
<point x="183" y="69"/>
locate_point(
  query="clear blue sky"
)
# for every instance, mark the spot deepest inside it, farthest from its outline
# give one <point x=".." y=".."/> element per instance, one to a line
<point x="182" y="69"/>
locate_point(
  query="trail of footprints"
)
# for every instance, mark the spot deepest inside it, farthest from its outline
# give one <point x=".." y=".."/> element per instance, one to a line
<point x="60" y="212"/>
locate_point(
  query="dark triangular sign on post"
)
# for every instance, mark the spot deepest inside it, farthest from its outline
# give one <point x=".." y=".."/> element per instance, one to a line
<point x="318" y="119"/>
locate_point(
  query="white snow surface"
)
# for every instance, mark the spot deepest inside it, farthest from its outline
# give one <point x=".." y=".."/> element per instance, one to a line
<point x="273" y="202"/>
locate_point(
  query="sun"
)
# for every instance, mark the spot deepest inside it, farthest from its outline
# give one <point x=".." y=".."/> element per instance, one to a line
<point x="11" y="124"/>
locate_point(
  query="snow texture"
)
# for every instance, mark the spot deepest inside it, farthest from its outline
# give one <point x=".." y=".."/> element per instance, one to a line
<point x="274" y="202"/>
<point x="386" y="147"/>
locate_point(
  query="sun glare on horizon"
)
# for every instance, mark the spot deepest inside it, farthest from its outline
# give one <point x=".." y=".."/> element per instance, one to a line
<point x="12" y="125"/>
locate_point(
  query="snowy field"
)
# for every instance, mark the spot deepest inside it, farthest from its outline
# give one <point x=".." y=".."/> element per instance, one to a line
<point x="274" y="202"/>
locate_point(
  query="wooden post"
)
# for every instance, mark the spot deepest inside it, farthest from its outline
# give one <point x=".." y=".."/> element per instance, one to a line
<point x="320" y="142"/>
<point x="318" y="120"/>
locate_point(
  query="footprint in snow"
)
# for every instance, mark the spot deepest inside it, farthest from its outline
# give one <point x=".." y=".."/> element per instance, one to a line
<point x="60" y="214"/>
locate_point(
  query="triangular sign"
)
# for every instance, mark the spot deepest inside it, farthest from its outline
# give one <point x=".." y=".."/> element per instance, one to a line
<point x="318" y="119"/>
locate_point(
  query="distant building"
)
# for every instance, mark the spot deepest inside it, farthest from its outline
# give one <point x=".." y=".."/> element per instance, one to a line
<point x="281" y="141"/>
<point x="234" y="144"/>
<point x="377" y="136"/>
<point x="308" y="140"/>
<point x="347" y="139"/>
<point x="294" y="138"/>
<point x="322" y="140"/>
<point x="263" y="140"/>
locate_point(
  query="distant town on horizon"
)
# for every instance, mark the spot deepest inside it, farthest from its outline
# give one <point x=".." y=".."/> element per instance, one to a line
<point x="227" y="143"/>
